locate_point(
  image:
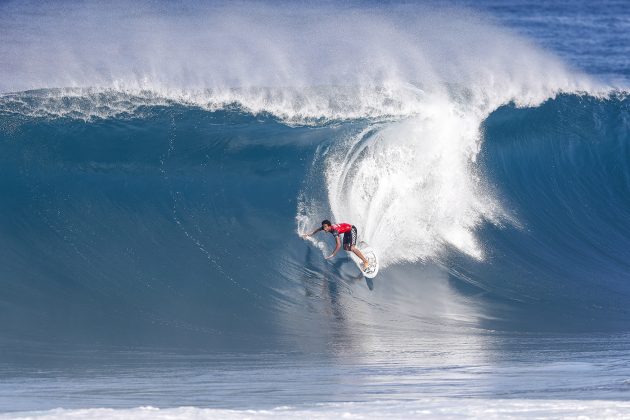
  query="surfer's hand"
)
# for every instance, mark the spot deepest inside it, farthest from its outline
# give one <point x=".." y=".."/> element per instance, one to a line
<point x="306" y="235"/>
<point x="329" y="257"/>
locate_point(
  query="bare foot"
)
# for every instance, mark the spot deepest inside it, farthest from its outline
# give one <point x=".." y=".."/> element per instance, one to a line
<point x="366" y="264"/>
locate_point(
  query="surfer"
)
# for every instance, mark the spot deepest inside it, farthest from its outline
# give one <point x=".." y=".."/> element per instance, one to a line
<point x="349" y="239"/>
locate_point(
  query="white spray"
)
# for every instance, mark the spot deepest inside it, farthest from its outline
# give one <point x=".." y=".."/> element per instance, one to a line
<point x="426" y="77"/>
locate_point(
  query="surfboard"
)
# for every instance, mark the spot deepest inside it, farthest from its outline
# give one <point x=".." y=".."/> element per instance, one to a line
<point x="369" y="253"/>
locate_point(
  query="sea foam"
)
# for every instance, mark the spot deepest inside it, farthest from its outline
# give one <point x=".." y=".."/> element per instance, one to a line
<point x="422" y="408"/>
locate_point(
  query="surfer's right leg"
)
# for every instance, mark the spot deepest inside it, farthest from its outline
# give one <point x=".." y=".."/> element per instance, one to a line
<point x="359" y="254"/>
<point x="349" y="244"/>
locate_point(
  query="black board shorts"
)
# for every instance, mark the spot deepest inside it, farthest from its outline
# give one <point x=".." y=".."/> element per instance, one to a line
<point x="350" y="238"/>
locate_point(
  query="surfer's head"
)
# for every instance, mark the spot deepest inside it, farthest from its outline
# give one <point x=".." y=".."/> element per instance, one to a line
<point x="326" y="225"/>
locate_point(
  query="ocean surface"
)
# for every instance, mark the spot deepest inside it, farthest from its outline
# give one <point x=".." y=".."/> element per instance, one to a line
<point x="159" y="162"/>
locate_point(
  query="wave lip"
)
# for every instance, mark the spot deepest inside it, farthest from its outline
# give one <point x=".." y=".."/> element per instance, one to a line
<point x="370" y="61"/>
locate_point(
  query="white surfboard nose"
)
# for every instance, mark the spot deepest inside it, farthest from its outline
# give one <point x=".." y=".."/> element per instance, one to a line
<point x="368" y="252"/>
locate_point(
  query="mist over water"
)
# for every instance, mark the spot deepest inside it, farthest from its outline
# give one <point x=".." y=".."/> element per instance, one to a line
<point x="322" y="61"/>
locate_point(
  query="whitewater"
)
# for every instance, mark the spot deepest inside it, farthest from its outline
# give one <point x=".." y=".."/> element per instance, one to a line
<point x="160" y="161"/>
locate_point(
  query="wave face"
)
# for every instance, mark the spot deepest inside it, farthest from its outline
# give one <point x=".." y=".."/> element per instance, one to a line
<point x="154" y="188"/>
<point x="182" y="221"/>
<point x="561" y="169"/>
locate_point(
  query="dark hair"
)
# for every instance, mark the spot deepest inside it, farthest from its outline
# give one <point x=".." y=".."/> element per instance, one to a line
<point x="326" y="222"/>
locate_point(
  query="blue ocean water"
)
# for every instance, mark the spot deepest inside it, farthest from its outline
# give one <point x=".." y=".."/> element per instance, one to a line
<point x="160" y="161"/>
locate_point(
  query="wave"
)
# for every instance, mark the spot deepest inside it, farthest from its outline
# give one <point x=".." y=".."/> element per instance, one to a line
<point x="154" y="195"/>
<point x="562" y="169"/>
<point x="182" y="220"/>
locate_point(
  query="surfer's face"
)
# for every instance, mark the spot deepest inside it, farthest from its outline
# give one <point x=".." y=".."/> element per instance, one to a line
<point x="326" y="228"/>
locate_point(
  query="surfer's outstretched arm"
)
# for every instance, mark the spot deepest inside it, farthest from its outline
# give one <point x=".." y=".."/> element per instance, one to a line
<point x="312" y="233"/>
<point x="337" y="248"/>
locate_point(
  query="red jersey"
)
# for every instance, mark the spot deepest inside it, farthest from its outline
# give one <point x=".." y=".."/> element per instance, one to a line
<point x="340" y="228"/>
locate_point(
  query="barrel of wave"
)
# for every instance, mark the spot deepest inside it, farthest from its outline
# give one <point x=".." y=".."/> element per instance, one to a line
<point x="412" y="187"/>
